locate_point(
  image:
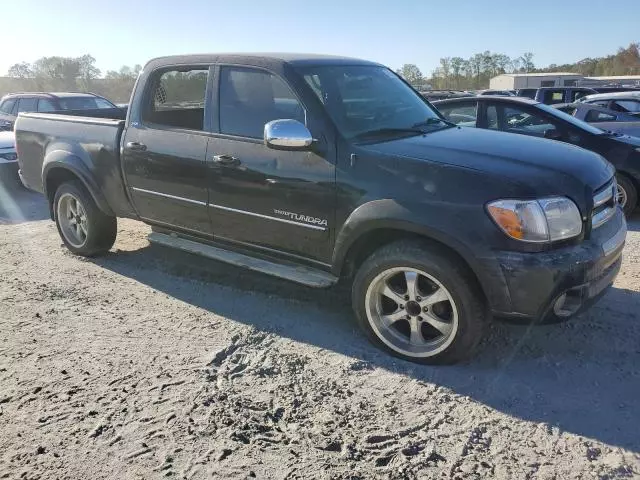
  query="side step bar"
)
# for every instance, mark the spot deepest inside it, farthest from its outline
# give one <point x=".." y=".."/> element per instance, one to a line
<point x="299" y="274"/>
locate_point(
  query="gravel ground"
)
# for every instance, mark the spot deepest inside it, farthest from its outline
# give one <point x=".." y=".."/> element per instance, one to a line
<point x="149" y="363"/>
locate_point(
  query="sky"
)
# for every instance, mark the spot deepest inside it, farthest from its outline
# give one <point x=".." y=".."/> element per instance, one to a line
<point x="127" y="32"/>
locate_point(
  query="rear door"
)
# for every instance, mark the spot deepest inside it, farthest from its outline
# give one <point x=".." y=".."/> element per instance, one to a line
<point x="164" y="154"/>
<point x="276" y="199"/>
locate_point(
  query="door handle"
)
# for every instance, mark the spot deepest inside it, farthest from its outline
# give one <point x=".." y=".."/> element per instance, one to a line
<point x="136" y="146"/>
<point x="226" y="160"/>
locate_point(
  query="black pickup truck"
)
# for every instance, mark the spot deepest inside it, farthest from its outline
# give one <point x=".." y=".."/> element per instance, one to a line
<point x="315" y="168"/>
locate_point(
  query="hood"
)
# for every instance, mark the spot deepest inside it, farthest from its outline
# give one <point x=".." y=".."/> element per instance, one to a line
<point x="7" y="140"/>
<point x="519" y="158"/>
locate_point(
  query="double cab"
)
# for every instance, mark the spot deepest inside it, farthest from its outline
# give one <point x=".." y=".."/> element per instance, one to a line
<point x="316" y="168"/>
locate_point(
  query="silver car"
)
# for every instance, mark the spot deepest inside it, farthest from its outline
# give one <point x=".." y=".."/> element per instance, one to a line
<point x="603" y="117"/>
<point x="8" y="158"/>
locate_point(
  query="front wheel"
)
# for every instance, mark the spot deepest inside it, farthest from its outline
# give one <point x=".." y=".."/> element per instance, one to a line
<point x="83" y="227"/>
<point x="419" y="303"/>
<point x="627" y="194"/>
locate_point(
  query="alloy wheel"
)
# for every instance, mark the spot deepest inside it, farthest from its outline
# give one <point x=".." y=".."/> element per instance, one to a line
<point x="411" y="312"/>
<point x="72" y="218"/>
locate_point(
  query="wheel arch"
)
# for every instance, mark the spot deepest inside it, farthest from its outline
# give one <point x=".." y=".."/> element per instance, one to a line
<point x="380" y="222"/>
<point x="633" y="181"/>
<point x="59" y="167"/>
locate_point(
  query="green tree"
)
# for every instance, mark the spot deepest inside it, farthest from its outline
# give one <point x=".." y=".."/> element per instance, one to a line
<point x="476" y="64"/>
<point x="411" y="73"/>
<point x="527" y="62"/>
<point x="457" y="66"/>
<point x="20" y="70"/>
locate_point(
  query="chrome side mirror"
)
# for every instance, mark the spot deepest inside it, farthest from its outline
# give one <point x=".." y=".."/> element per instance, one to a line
<point x="287" y="134"/>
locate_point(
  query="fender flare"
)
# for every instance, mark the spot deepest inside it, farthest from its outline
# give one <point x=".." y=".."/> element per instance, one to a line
<point x="389" y="214"/>
<point x="61" y="159"/>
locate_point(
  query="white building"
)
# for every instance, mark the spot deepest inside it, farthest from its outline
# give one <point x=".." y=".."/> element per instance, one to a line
<point x="514" y="81"/>
<point x="619" y="79"/>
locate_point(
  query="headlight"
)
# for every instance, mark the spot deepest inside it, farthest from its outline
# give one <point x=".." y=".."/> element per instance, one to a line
<point x="544" y="220"/>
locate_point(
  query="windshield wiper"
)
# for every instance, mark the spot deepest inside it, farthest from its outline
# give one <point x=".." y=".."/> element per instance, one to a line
<point x="381" y="132"/>
<point x="433" y="121"/>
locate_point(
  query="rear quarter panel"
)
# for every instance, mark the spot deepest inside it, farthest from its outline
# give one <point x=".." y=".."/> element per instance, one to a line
<point x="88" y="147"/>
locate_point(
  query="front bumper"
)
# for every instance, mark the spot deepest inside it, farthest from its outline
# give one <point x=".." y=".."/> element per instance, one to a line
<point x="560" y="282"/>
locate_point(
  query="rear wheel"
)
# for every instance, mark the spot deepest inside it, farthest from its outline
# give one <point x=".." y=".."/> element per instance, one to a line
<point x="83" y="227"/>
<point x="419" y="303"/>
<point x="627" y="194"/>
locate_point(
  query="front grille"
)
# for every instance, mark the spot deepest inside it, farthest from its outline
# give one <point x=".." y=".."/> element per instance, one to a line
<point x="604" y="204"/>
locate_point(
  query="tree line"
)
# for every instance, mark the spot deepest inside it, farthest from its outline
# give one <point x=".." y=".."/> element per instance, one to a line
<point x="54" y="74"/>
<point x="476" y="71"/>
<point x="81" y="74"/>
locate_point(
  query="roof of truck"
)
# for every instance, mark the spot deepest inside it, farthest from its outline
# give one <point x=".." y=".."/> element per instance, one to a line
<point x="308" y="59"/>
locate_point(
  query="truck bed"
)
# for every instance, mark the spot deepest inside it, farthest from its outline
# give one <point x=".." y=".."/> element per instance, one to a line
<point x="90" y="143"/>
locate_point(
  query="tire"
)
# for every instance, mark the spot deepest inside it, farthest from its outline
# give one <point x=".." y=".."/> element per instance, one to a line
<point x="459" y="310"/>
<point x="90" y="232"/>
<point x="627" y="191"/>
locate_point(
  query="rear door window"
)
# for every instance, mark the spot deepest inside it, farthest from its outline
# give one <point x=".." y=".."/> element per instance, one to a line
<point x="102" y="103"/>
<point x="463" y="114"/>
<point x="250" y="98"/>
<point x="598" y="116"/>
<point x="46" y="105"/>
<point x="551" y="97"/>
<point x="7" y="106"/>
<point x="27" y="104"/>
<point x="177" y="98"/>
<point x="632" y="106"/>
<point x="577" y="94"/>
<point x="517" y="120"/>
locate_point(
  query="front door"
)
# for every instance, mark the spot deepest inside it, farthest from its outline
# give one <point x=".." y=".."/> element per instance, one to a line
<point x="164" y="153"/>
<point x="281" y="200"/>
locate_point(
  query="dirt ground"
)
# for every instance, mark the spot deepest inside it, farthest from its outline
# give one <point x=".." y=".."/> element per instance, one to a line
<point x="149" y="363"/>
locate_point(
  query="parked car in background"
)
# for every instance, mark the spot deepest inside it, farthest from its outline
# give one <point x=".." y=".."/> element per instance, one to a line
<point x="552" y="95"/>
<point x="504" y="93"/>
<point x="602" y="117"/>
<point x="8" y="158"/>
<point x="625" y="102"/>
<point x="316" y="168"/>
<point x="529" y="117"/>
<point x="527" y="92"/>
<point x="14" y="103"/>
<point x="441" y="94"/>
<point x="615" y="89"/>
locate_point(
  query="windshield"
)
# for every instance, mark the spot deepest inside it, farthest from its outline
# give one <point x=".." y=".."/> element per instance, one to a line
<point x="568" y="118"/>
<point x="363" y="98"/>
<point x="84" y="103"/>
